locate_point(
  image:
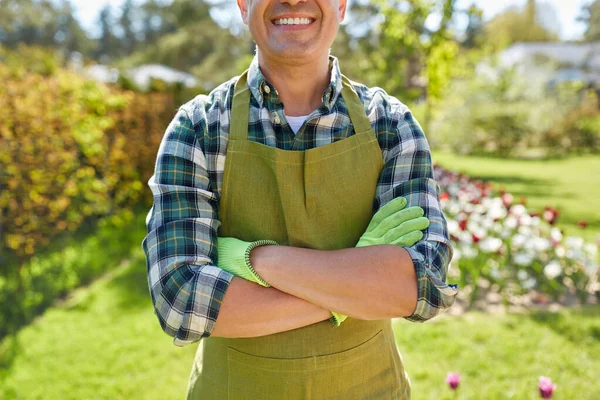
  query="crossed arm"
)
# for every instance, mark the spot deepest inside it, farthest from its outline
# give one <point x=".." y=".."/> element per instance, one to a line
<point x="372" y="282"/>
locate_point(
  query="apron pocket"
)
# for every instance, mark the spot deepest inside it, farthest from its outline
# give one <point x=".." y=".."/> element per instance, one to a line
<point x="362" y="372"/>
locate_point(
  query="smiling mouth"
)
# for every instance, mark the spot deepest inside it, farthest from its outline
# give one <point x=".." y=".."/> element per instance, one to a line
<point x="293" y="21"/>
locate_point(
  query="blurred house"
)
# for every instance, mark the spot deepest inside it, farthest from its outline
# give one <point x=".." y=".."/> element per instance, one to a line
<point x="143" y="75"/>
<point x="569" y="62"/>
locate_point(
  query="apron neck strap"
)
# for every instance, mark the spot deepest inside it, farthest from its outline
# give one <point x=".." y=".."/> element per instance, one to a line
<point x="356" y="110"/>
<point x="240" y="110"/>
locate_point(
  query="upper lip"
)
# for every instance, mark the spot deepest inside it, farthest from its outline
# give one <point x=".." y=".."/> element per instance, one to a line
<point x="292" y="16"/>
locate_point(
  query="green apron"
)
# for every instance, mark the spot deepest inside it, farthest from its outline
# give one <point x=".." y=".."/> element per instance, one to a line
<point x="320" y="198"/>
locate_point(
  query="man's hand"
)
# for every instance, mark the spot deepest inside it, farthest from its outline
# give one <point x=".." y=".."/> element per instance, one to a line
<point x="234" y="257"/>
<point x="393" y="224"/>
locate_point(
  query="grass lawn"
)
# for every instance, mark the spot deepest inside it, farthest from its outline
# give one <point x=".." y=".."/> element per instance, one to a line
<point x="572" y="185"/>
<point x="105" y="343"/>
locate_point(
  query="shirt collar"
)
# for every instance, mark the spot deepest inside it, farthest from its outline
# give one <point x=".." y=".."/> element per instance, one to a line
<point x="262" y="90"/>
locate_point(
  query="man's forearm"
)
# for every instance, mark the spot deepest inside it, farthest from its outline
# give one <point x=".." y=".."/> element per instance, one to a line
<point x="372" y="282"/>
<point x="250" y="310"/>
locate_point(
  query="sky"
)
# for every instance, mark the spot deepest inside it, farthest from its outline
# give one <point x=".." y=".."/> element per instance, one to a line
<point x="567" y="12"/>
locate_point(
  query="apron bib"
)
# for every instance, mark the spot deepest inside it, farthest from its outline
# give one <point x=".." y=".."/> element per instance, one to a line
<point x="321" y="198"/>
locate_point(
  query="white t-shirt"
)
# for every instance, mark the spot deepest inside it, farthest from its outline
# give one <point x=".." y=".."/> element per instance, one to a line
<point x="296" y="122"/>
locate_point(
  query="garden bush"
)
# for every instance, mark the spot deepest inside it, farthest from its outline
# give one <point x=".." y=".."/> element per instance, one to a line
<point x="73" y="149"/>
<point x="510" y="115"/>
<point x="74" y="152"/>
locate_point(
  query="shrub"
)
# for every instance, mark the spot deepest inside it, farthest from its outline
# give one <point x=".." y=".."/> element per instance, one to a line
<point x="510" y="115"/>
<point x="74" y="152"/>
<point x="73" y="149"/>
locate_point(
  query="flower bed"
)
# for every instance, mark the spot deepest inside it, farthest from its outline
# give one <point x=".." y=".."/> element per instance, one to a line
<point x="499" y="244"/>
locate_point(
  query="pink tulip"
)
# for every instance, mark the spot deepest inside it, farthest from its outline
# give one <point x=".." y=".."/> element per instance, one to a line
<point x="546" y="387"/>
<point x="453" y="379"/>
<point x="507" y="199"/>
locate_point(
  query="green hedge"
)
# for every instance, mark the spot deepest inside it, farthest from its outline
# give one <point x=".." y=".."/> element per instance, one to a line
<point x="74" y="152"/>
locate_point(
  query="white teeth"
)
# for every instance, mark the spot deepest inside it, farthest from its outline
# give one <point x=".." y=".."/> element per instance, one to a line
<point x="292" y="21"/>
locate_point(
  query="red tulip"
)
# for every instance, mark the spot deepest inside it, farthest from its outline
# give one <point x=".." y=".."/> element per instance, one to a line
<point x="550" y="215"/>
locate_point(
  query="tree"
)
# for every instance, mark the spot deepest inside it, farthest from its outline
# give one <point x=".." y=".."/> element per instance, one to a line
<point x="128" y="41"/>
<point x="183" y="35"/>
<point x="411" y="59"/>
<point x="590" y="15"/>
<point x="107" y="43"/>
<point x="517" y="25"/>
<point x="475" y="27"/>
<point x="42" y="23"/>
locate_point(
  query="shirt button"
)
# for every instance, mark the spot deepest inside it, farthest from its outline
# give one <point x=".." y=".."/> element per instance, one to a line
<point x="267" y="89"/>
<point x="276" y="119"/>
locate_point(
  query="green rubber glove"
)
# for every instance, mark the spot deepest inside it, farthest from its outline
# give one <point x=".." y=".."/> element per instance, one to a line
<point x="234" y="257"/>
<point x="391" y="224"/>
<point x="337" y="318"/>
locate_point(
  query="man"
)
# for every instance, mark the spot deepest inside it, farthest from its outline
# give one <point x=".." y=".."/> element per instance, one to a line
<point x="262" y="234"/>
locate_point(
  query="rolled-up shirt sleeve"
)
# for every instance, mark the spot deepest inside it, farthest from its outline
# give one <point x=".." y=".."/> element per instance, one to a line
<point x="408" y="172"/>
<point x="186" y="286"/>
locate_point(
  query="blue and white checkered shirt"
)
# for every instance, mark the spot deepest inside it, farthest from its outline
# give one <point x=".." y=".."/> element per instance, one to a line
<point x="186" y="286"/>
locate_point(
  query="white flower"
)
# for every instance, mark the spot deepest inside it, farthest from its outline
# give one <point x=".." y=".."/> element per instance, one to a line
<point x="488" y="223"/>
<point x="453" y="227"/>
<point x="495" y="273"/>
<point x="465" y="237"/>
<point x="591" y="250"/>
<point x="560" y="251"/>
<point x="456" y="255"/>
<point x="591" y="268"/>
<point x="556" y="234"/>
<point x="519" y="240"/>
<point x="454" y="208"/>
<point x="497" y="227"/>
<point x="574" y="242"/>
<point x="490" y="245"/>
<point x="523" y="259"/>
<point x="541" y="244"/>
<point x="525" y="220"/>
<point x="469" y="252"/>
<point x="525" y="230"/>
<point x="511" y="222"/>
<point x="529" y="283"/>
<point x="522" y="274"/>
<point x="535" y="221"/>
<point x="553" y="269"/>
<point x="518" y="210"/>
<point x="497" y="212"/>
<point x="505" y="234"/>
<point x="479" y="209"/>
<point x="474" y="219"/>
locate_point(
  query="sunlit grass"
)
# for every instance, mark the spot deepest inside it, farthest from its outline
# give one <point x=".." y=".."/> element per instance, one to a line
<point x="105" y="343"/>
<point x="572" y="185"/>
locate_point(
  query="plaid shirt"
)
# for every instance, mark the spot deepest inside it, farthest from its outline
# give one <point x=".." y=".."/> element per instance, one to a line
<point x="186" y="285"/>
